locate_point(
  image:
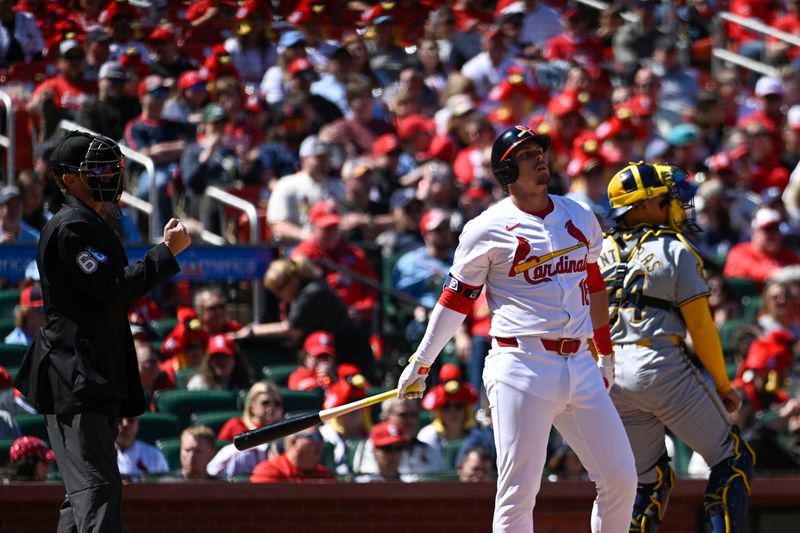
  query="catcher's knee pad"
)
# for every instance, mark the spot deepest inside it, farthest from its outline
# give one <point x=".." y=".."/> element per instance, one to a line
<point x="652" y="498"/>
<point x="725" y="501"/>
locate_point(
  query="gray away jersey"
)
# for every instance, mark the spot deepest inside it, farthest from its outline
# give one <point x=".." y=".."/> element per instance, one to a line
<point x="665" y="266"/>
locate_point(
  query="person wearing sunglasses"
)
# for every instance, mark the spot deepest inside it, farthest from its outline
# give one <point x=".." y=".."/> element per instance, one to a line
<point x="263" y="405"/>
<point x="451" y="403"/>
<point x="388" y="445"/>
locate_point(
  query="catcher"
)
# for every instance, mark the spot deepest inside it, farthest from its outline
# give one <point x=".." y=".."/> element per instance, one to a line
<point x="656" y="292"/>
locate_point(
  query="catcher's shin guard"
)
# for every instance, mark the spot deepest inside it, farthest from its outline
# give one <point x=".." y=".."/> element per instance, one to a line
<point x="652" y="498"/>
<point x="725" y="501"/>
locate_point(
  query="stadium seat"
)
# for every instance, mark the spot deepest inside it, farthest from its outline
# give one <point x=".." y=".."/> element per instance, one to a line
<point x="727" y="331"/>
<point x="328" y="459"/>
<point x="6" y="327"/>
<point x="183" y="403"/>
<point x="450" y="452"/>
<point x="294" y="400"/>
<point x="155" y="426"/>
<point x="9" y="298"/>
<point x="171" y="448"/>
<point x="183" y="375"/>
<point x="683" y="454"/>
<point x="278" y="374"/>
<point x="742" y="287"/>
<point x="5" y="446"/>
<point x="266" y="352"/>
<point x="751" y="305"/>
<point x="164" y="326"/>
<point x="32" y="425"/>
<point x="12" y="354"/>
<point x="215" y="419"/>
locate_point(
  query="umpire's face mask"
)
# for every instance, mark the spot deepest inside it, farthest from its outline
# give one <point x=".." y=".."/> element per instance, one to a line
<point x="103" y="171"/>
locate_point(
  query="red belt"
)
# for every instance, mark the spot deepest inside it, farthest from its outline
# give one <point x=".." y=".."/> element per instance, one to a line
<point x="560" y="346"/>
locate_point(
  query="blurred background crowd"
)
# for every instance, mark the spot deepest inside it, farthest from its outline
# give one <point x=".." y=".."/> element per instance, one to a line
<point x="351" y="139"/>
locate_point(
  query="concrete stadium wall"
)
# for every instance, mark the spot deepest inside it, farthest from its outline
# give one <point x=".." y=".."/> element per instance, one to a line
<point x="380" y="508"/>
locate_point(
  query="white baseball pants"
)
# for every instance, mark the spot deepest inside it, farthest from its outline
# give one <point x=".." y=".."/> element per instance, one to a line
<point x="530" y="390"/>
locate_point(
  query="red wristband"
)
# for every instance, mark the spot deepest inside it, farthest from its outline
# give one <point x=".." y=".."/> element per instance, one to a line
<point x="594" y="279"/>
<point x="602" y="340"/>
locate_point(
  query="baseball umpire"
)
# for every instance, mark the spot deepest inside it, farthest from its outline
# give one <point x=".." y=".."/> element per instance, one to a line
<point x="656" y="291"/>
<point x="536" y="256"/>
<point x="81" y="370"/>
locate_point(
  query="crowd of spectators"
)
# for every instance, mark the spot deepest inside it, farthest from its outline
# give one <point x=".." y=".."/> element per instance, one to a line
<point x="362" y="132"/>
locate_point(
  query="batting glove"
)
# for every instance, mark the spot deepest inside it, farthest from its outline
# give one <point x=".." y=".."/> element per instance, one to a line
<point x="606" y="364"/>
<point x="412" y="381"/>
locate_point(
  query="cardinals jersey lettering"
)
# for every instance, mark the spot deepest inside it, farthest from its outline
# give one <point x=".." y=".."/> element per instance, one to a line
<point x="664" y="266"/>
<point x="534" y="268"/>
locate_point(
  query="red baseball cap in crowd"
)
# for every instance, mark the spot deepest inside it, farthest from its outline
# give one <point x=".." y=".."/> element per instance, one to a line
<point x="386" y="434"/>
<point x="432" y="219"/>
<point x="720" y="162"/>
<point x="350" y="386"/>
<point x="221" y="344"/>
<point x="449" y="372"/>
<point x="162" y="34"/>
<point x="415" y="124"/>
<point x="385" y="144"/>
<point x="302" y="67"/>
<point x="451" y="391"/>
<point x="32" y="448"/>
<point x="192" y="79"/>
<point x="319" y="343"/>
<point x="5" y="379"/>
<point x="563" y="104"/>
<point x="441" y="147"/>
<point x="324" y="214"/>
<point x="118" y="8"/>
<point x="31" y="296"/>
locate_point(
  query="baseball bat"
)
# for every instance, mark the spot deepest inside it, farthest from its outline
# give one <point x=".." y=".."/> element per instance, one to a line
<point x="282" y="428"/>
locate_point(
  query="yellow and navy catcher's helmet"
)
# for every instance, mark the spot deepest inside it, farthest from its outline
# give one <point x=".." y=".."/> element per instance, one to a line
<point x="640" y="181"/>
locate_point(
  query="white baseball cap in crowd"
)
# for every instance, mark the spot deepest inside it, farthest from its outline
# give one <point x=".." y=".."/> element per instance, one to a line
<point x="793" y="117"/>
<point x="767" y="85"/>
<point x="765" y="217"/>
<point x="312" y="145"/>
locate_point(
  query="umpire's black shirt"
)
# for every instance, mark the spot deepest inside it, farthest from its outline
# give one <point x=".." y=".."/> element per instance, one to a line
<point x="83" y="360"/>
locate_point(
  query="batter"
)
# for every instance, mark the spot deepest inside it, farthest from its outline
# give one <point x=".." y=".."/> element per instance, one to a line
<point x="536" y="255"/>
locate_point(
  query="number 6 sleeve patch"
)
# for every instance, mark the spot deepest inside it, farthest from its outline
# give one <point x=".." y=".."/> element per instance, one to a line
<point x="86" y="262"/>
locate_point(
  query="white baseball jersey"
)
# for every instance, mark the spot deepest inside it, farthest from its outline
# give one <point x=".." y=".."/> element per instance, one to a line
<point x="534" y="268"/>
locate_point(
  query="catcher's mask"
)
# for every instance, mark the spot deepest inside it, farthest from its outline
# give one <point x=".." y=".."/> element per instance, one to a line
<point x="96" y="159"/>
<point x="639" y="181"/>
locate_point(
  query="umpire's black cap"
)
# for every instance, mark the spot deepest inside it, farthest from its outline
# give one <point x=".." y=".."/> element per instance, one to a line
<point x="71" y="152"/>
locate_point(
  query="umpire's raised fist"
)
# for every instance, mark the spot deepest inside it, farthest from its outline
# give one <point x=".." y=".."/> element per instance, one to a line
<point x="176" y="237"/>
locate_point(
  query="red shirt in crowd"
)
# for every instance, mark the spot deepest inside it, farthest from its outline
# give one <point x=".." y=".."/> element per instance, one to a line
<point x="280" y="469"/>
<point x="66" y="95"/>
<point x="586" y="51"/>
<point x="304" y="378"/>
<point x="231" y="428"/>
<point x="355" y="295"/>
<point x="745" y="261"/>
